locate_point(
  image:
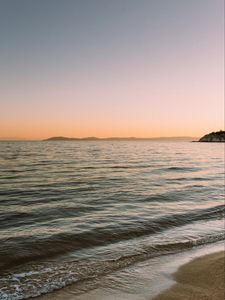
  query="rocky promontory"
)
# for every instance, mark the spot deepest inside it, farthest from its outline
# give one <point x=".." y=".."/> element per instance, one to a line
<point x="218" y="136"/>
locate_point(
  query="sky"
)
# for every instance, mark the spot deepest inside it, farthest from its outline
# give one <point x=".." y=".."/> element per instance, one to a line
<point x="111" y="68"/>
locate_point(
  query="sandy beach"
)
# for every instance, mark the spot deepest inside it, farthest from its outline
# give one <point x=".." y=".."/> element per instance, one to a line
<point x="196" y="279"/>
<point x="202" y="278"/>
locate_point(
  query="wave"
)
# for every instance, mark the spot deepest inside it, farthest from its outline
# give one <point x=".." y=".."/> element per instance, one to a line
<point x="29" y="249"/>
<point x="47" y="278"/>
<point x="161" y="249"/>
<point x="176" y="169"/>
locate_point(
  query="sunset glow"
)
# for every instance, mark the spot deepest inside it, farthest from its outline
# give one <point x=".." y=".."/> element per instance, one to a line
<point x="111" y="68"/>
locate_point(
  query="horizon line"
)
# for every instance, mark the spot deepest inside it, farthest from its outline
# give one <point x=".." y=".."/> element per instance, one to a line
<point x="95" y="138"/>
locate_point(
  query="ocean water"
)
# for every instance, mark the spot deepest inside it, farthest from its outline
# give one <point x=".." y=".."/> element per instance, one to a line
<point x="71" y="212"/>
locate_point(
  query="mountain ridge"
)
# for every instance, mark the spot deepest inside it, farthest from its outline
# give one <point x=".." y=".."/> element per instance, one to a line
<point x="62" y="138"/>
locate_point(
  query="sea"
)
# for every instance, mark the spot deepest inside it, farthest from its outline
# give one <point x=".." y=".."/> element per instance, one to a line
<point x="72" y="212"/>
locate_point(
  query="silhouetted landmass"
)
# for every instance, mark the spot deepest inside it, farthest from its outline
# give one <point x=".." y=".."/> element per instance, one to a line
<point x="61" y="138"/>
<point x="218" y="136"/>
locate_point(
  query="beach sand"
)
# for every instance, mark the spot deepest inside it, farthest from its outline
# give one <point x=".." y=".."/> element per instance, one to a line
<point x="202" y="278"/>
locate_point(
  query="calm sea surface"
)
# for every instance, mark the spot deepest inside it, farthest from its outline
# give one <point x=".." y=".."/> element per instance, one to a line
<point x="73" y="211"/>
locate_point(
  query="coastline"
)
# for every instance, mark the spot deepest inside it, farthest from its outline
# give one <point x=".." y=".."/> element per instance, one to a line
<point x="139" y="284"/>
<point x="202" y="278"/>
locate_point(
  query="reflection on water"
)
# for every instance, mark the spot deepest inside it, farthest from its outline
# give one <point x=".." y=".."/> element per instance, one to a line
<point x="77" y="210"/>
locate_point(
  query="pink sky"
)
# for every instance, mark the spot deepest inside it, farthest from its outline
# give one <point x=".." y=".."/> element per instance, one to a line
<point x="136" y="68"/>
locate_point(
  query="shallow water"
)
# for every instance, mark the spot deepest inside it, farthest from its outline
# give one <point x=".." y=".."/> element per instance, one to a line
<point x="74" y="211"/>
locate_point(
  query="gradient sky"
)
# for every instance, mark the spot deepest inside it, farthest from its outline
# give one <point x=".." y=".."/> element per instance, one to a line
<point x="102" y="68"/>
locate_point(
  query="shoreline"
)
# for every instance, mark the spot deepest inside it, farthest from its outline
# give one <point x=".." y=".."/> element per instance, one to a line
<point x="149" y="279"/>
<point x="201" y="278"/>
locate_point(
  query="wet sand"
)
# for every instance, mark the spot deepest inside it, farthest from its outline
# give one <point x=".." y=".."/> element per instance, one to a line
<point x="194" y="279"/>
<point x="202" y="278"/>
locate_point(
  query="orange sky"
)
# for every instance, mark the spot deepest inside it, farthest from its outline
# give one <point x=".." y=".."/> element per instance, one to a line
<point x="135" y="68"/>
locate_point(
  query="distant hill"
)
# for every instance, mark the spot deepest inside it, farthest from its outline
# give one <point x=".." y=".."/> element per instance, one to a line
<point x="218" y="136"/>
<point x="61" y="138"/>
